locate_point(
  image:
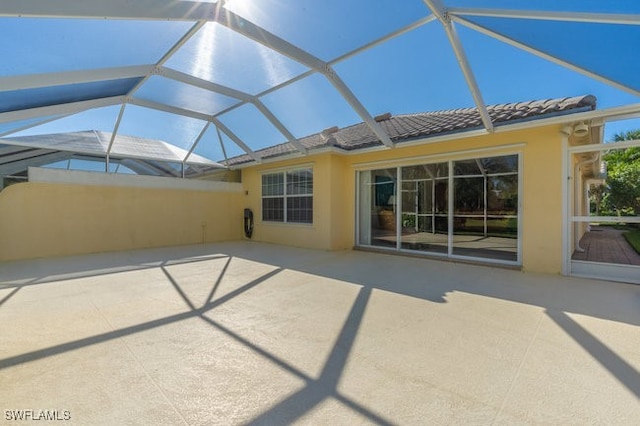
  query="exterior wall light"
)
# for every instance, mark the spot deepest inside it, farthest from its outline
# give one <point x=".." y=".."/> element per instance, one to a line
<point x="581" y="129"/>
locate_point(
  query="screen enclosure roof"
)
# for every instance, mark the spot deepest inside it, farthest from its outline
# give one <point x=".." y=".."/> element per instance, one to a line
<point x="218" y="80"/>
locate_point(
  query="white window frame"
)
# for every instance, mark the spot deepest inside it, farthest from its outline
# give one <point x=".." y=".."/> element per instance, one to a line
<point x="285" y="196"/>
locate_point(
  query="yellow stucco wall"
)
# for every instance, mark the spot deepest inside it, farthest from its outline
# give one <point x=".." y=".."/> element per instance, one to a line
<point x="542" y="203"/>
<point x="45" y="220"/>
<point x="334" y="191"/>
<point x="42" y="220"/>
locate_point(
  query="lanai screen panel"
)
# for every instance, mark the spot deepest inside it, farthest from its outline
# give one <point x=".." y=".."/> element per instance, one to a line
<point x="406" y="75"/>
<point x="174" y="93"/>
<point x="220" y="55"/>
<point x="329" y="29"/>
<point x="274" y="72"/>
<point x="175" y="129"/>
<point x="15" y="100"/>
<point x="252" y="127"/>
<point x="14" y="126"/>
<point x="97" y="119"/>
<point x="597" y="56"/>
<point x="43" y="45"/>
<point x="310" y="105"/>
<point x="210" y="147"/>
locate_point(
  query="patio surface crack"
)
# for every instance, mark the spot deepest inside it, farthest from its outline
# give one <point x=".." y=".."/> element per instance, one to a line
<point x="517" y="373"/>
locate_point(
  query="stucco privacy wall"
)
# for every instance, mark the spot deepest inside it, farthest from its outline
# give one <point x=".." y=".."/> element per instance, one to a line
<point x="334" y="191"/>
<point x="57" y="219"/>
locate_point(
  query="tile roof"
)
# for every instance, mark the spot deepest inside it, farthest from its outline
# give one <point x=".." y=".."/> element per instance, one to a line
<point x="406" y="127"/>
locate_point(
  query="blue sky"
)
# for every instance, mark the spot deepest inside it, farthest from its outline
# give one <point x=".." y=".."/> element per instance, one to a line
<point x="413" y="72"/>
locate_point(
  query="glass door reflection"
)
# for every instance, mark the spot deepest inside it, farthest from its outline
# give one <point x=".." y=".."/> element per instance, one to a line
<point x="485" y="215"/>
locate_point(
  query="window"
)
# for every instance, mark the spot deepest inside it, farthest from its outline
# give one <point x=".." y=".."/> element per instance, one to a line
<point x="288" y="196"/>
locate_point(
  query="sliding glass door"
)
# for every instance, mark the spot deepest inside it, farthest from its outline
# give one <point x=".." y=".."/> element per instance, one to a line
<point x="463" y="208"/>
<point x="424" y="208"/>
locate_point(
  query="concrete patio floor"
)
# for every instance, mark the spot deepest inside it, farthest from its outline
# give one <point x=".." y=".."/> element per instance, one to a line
<point x="249" y="333"/>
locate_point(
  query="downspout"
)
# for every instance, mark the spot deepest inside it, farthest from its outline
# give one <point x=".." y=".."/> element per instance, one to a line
<point x="578" y="196"/>
<point x="567" y="210"/>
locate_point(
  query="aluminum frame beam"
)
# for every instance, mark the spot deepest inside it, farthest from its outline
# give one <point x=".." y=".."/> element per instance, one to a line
<point x="116" y="126"/>
<point x="441" y="13"/>
<point x="203" y="84"/>
<point x="168" y="108"/>
<point x="224" y="151"/>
